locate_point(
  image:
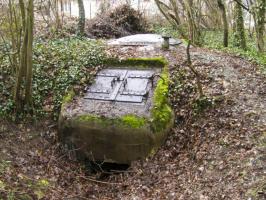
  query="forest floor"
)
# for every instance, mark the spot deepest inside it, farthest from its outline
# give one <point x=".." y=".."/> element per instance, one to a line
<point x="218" y="153"/>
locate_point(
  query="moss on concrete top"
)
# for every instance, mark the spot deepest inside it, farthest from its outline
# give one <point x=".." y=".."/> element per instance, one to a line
<point x="128" y="121"/>
<point x="158" y="62"/>
<point x="133" y="121"/>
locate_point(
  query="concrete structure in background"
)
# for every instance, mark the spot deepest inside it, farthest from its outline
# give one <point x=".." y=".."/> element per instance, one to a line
<point x="143" y="40"/>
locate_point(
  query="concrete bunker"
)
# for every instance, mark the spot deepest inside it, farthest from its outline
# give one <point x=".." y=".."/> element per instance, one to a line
<point x="123" y="116"/>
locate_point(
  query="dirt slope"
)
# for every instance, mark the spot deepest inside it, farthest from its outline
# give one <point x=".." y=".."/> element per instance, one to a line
<point x="219" y="153"/>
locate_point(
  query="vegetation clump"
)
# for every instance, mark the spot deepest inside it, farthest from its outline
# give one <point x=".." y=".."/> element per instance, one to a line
<point x="213" y="39"/>
<point x="58" y="65"/>
<point x="68" y="97"/>
<point x="122" y="21"/>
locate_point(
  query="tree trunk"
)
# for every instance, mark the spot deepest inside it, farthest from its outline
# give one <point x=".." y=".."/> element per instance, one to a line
<point x="81" y="24"/>
<point x="12" y="26"/>
<point x="23" y="54"/>
<point x="194" y="71"/>
<point x="239" y="33"/>
<point x="24" y="72"/>
<point x="165" y="14"/>
<point x="193" y="26"/>
<point x="22" y="11"/>
<point x="30" y="21"/>
<point x="260" y="25"/>
<point x="225" y="22"/>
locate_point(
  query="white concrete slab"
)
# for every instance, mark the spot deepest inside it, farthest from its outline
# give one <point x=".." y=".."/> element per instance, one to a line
<point x="142" y="40"/>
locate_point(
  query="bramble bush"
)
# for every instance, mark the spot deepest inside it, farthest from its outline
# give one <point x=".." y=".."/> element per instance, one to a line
<point x="121" y="21"/>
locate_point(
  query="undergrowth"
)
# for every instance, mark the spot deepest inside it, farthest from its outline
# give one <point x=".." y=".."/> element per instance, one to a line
<point x="214" y="40"/>
<point x="165" y="30"/>
<point x="58" y="65"/>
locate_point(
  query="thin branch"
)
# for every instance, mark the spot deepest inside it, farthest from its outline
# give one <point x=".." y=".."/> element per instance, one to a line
<point x="194" y="71"/>
<point x="97" y="181"/>
<point x="242" y="5"/>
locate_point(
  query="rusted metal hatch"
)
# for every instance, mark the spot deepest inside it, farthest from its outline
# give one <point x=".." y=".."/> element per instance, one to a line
<point x="121" y="85"/>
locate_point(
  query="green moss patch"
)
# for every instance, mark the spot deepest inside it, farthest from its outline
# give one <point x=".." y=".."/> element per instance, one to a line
<point x="161" y="112"/>
<point x="68" y="97"/>
<point x="93" y="119"/>
<point x="133" y="121"/>
<point x="158" y="62"/>
<point x="130" y="121"/>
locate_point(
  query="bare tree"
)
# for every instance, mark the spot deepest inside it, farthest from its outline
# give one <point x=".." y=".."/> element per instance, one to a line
<point x="257" y="8"/>
<point x="259" y="16"/>
<point x="82" y="17"/>
<point x="225" y="22"/>
<point x="190" y="21"/>
<point x="238" y="28"/>
<point x="22" y="96"/>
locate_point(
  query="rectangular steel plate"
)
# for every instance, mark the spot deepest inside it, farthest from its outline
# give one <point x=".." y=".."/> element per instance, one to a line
<point x="121" y="85"/>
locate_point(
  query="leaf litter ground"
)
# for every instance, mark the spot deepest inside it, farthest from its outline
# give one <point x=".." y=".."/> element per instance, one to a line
<point x="218" y="152"/>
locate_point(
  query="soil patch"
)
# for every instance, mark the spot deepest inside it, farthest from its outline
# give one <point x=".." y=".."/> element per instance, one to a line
<point x="213" y="153"/>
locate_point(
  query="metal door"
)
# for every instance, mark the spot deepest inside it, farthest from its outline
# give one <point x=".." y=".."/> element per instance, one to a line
<point x="121" y="85"/>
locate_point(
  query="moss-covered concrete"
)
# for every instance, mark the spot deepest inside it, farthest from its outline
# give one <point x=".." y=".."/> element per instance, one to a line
<point x="133" y="121"/>
<point x="158" y="62"/>
<point x="128" y="121"/>
<point x="68" y="97"/>
<point x="161" y="112"/>
<point x="127" y="137"/>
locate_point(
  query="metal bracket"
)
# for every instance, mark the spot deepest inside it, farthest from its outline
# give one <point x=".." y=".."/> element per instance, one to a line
<point x="152" y="79"/>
